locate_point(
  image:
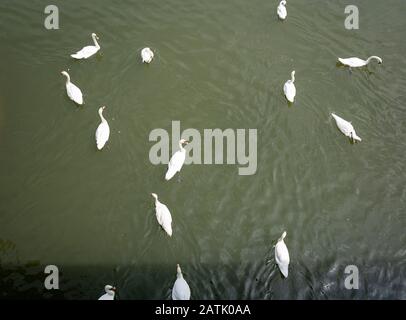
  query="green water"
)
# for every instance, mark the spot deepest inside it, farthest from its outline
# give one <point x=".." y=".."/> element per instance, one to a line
<point x="218" y="64"/>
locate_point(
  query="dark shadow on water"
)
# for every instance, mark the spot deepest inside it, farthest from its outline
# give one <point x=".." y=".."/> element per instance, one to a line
<point x="378" y="280"/>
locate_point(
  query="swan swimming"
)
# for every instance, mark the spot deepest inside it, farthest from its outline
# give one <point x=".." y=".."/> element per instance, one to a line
<point x="87" y="51"/>
<point x="110" y="293"/>
<point x="357" y="62"/>
<point x="73" y="91"/>
<point x="163" y="215"/>
<point x="289" y="88"/>
<point x="281" y="11"/>
<point x="282" y="255"/>
<point x="147" y="55"/>
<point x="102" y="131"/>
<point x="346" y="128"/>
<point x="177" y="160"/>
<point x="180" y="290"/>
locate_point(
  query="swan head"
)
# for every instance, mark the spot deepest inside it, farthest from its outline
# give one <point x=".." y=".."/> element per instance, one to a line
<point x="95" y="36"/>
<point x="283" y="2"/>
<point x="101" y="109"/>
<point x="154" y="195"/>
<point x="283" y="236"/>
<point x="183" y="141"/>
<point x="110" y="289"/>
<point x="354" y="137"/>
<point x="64" y="73"/>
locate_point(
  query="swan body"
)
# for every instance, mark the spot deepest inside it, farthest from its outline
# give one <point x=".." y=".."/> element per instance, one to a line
<point x="180" y="290"/>
<point x="282" y="255"/>
<point x="281" y="11"/>
<point x="110" y="293"/>
<point x="147" y="55"/>
<point x="346" y="128"/>
<point x="177" y="161"/>
<point x="289" y="88"/>
<point x="357" y="62"/>
<point x="73" y="91"/>
<point x="163" y="215"/>
<point x="102" y="131"/>
<point x="87" y="51"/>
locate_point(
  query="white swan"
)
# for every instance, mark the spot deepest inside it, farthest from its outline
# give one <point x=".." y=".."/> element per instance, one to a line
<point x="73" y="91"/>
<point x="282" y="255"/>
<point x="289" y="88"/>
<point x="282" y="12"/>
<point x="180" y="290"/>
<point x="110" y="293"/>
<point x="147" y="55"/>
<point x="357" y="62"/>
<point x="102" y="131"/>
<point x="177" y="160"/>
<point x="87" y="51"/>
<point x="163" y="215"/>
<point x="346" y="128"/>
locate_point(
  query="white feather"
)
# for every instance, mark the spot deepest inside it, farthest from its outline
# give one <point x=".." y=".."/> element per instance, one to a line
<point x="355" y="62"/>
<point x="102" y="131"/>
<point x="110" y="293"/>
<point x="147" y="55"/>
<point x="72" y="90"/>
<point x="180" y="290"/>
<point x="289" y="88"/>
<point x="346" y="127"/>
<point x="163" y="215"/>
<point x="281" y="11"/>
<point x="87" y="51"/>
<point x="282" y="256"/>
<point x="176" y="162"/>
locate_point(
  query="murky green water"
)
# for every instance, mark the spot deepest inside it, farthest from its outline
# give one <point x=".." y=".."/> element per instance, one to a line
<point x="218" y="64"/>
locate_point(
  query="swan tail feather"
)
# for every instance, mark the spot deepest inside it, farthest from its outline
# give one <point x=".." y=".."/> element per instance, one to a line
<point x="169" y="174"/>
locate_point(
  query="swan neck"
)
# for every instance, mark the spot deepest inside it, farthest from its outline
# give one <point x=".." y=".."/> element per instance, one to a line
<point x="67" y="78"/>
<point x="373" y="57"/>
<point x="101" y="115"/>
<point x="95" y="42"/>
<point x="181" y="147"/>
<point x="293" y="77"/>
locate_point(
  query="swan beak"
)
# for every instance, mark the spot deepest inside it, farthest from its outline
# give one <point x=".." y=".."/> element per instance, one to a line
<point x="114" y="289"/>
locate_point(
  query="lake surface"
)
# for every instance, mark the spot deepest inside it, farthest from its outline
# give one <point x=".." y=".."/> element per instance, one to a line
<point x="218" y="64"/>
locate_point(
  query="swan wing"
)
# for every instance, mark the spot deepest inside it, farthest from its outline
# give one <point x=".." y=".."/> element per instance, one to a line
<point x="74" y="93"/>
<point x="282" y="12"/>
<point x="164" y="218"/>
<point x="180" y="290"/>
<point x="175" y="164"/>
<point x="290" y="90"/>
<point x="344" y="126"/>
<point x="282" y="257"/>
<point x="353" y="62"/>
<point x="86" y="52"/>
<point x="106" y="296"/>
<point x="147" y="55"/>
<point x="102" y="134"/>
